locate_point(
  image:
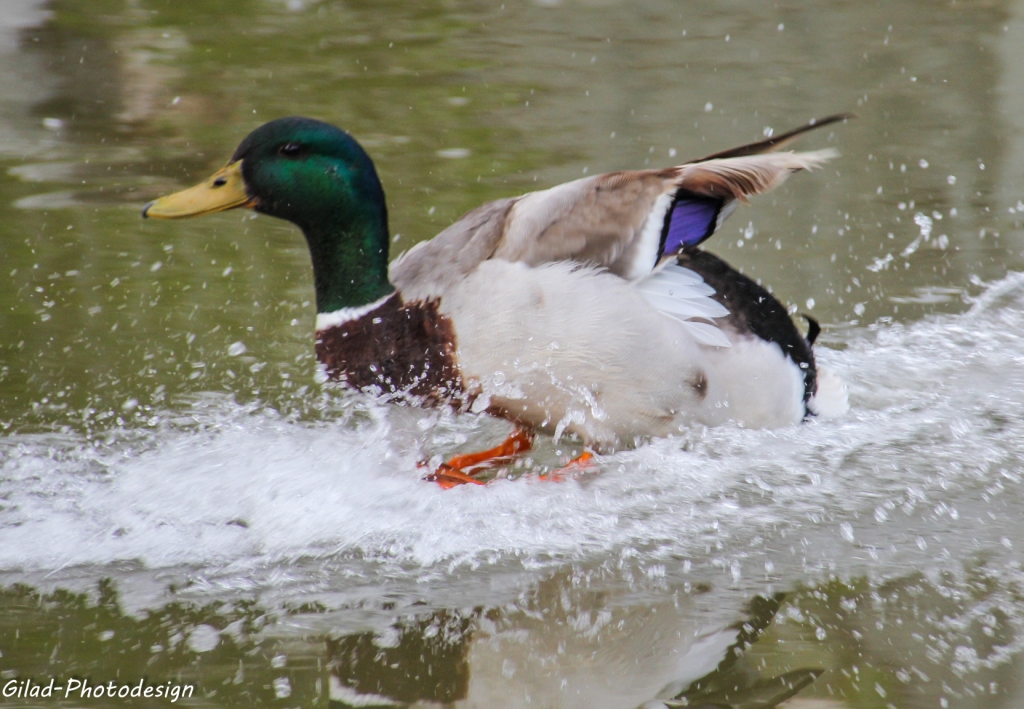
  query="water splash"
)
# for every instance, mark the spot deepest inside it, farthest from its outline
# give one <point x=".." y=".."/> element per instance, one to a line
<point x="930" y="452"/>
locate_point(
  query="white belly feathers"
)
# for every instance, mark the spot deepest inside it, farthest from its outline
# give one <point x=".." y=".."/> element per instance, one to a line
<point x="572" y="349"/>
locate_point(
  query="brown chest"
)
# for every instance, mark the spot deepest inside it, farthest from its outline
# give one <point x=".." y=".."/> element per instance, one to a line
<point x="401" y="350"/>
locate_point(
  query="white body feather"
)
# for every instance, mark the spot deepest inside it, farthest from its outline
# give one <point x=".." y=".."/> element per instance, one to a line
<point x="578" y="350"/>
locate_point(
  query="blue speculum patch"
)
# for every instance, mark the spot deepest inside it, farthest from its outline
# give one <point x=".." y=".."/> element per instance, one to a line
<point x="692" y="220"/>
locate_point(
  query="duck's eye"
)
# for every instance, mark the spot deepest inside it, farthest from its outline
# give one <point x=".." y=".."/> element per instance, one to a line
<point x="290" y="150"/>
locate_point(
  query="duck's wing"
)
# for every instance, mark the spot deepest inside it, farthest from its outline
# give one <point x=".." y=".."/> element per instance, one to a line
<point x="626" y="222"/>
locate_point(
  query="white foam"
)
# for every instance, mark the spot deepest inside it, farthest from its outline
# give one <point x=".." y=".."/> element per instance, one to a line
<point x="933" y="436"/>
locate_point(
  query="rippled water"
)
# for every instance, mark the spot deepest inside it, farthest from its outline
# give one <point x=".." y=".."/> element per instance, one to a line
<point x="180" y="500"/>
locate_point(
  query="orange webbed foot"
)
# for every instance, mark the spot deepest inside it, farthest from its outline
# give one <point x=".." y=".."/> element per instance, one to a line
<point x="519" y="441"/>
<point x="461" y="468"/>
<point x="584" y="462"/>
<point x="448" y="477"/>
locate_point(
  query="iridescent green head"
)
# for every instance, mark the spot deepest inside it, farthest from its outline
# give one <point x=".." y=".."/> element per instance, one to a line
<point x="320" y="179"/>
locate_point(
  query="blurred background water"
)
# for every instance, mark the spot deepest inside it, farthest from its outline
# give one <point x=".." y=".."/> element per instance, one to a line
<point x="179" y="498"/>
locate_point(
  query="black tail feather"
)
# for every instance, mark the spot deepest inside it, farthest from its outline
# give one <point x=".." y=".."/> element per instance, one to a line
<point x="813" y="329"/>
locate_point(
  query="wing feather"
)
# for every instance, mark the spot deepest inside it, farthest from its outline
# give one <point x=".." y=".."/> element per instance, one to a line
<point x="742" y="177"/>
<point x="777" y="142"/>
<point x="682" y="294"/>
<point x="598" y="220"/>
<point x="707" y="334"/>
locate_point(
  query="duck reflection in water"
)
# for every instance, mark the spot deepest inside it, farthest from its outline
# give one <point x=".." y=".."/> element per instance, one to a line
<point x="426" y="660"/>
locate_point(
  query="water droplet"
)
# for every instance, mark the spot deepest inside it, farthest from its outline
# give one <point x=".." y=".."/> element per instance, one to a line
<point x="203" y="638"/>
<point x="282" y="687"/>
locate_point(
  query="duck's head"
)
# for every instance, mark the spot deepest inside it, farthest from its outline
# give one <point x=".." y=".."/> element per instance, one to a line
<point x="293" y="168"/>
<point x="319" y="178"/>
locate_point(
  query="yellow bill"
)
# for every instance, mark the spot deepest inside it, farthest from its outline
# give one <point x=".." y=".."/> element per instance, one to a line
<point x="225" y="189"/>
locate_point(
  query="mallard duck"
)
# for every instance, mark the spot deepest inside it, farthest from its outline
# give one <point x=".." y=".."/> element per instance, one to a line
<point x="585" y="309"/>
